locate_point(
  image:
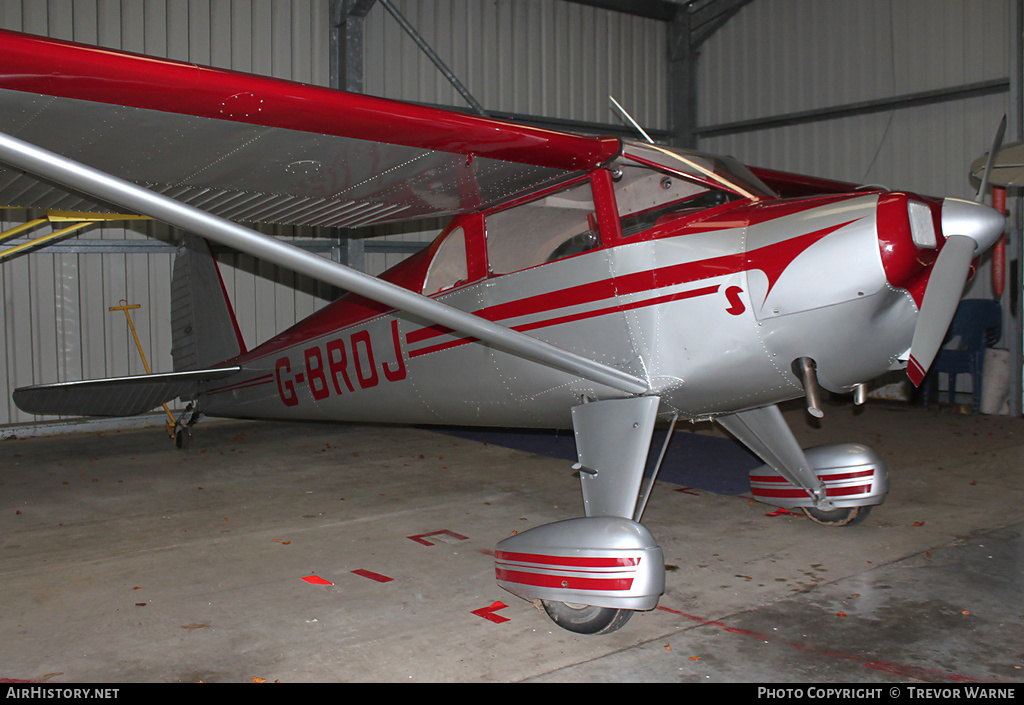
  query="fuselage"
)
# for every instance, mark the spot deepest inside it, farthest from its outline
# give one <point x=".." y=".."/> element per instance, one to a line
<point x="711" y="306"/>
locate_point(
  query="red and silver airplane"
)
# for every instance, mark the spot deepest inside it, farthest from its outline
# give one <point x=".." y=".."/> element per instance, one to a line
<point x="585" y="282"/>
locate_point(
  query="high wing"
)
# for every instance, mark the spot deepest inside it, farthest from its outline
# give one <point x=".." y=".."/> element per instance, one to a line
<point x="133" y="146"/>
<point x="257" y="149"/>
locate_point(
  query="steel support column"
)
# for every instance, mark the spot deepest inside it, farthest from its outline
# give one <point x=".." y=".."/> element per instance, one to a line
<point x="692" y="24"/>
<point x="682" y="77"/>
<point x="346" y="73"/>
<point x="346" y="44"/>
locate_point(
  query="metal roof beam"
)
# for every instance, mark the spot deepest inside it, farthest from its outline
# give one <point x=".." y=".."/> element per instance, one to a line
<point x="359" y="8"/>
<point x="663" y="10"/>
<point x="708" y="16"/>
<point x="867" y="107"/>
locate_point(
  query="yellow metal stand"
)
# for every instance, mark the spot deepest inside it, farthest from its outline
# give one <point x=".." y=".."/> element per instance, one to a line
<point x="126" y="307"/>
<point x="78" y="220"/>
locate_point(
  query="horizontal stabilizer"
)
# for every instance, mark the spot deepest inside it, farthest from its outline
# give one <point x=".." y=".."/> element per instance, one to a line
<point x="114" y="396"/>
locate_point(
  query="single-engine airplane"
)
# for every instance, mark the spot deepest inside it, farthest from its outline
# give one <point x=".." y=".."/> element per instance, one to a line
<point x="586" y="282"/>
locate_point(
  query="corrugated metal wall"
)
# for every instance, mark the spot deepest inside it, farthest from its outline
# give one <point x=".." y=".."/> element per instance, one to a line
<point x="540" y="57"/>
<point x="785" y="56"/>
<point x="55" y="324"/>
<point x="545" y="57"/>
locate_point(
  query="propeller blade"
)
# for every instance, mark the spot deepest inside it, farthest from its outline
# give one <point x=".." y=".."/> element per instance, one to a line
<point x="996" y="143"/>
<point x="941" y="297"/>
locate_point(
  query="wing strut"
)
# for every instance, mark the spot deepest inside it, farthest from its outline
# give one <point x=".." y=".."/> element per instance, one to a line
<point x="110" y="189"/>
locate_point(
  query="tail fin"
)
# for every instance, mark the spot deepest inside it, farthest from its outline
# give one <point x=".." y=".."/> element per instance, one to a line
<point x="203" y="334"/>
<point x="204" y="331"/>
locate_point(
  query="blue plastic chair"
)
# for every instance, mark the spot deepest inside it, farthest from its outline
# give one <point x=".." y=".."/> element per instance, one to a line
<point x="976" y="326"/>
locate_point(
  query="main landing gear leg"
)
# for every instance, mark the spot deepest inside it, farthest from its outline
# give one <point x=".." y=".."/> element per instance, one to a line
<point x="592" y="573"/>
<point x="853" y="474"/>
<point x="765" y="432"/>
<point x="183" y="427"/>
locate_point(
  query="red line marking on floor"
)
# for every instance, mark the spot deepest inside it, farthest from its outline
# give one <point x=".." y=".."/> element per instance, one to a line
<point x="373" y="576"/>
<point x="489" y="612"/>
<point x="422" y="538"/>
<point x="317" y="580"/>
<point x="915" y="672"/>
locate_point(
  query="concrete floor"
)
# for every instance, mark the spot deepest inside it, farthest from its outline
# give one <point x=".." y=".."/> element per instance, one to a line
<point x="125" y="560"/>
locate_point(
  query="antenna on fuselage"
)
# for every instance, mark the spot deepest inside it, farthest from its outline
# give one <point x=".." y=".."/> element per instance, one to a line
<point x="629" y="119"/>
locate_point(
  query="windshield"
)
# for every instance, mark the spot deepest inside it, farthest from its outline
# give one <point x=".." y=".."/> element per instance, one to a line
<point x="711" y="170"/>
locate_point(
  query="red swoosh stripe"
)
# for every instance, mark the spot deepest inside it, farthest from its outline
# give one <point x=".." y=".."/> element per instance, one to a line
<point x="771" y="259"/>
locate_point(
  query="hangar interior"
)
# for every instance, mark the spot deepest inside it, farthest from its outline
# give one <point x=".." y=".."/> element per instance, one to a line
<point x="899" y="79"/>
<point x="106" y="523"/>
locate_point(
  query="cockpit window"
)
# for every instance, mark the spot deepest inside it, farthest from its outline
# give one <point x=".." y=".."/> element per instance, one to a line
<point x="644" y="194"/>
<point x="544" y="230"/>
<point x="448" y="268"/>
<point x="635" y="223"/>
<point x="737" y="173"/>
<point x="653" y="182"/>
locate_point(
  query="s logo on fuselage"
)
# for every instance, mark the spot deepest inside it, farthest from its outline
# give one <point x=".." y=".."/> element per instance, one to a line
<point x="732" y="294"/>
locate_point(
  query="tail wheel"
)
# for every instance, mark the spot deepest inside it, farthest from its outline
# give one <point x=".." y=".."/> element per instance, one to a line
<point x="586" y="619"/>
<point x="844" y="516"/>
<point x="183" y="437"/>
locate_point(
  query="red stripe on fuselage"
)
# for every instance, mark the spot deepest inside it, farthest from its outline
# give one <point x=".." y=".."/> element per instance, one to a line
<point x="770" y="259"/>
<point x="576" y="317"/>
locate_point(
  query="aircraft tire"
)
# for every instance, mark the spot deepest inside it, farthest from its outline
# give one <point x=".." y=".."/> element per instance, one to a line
<point x="586" y="619"/>
<point x="844" y="516"/>
<point x="183" y="437"/>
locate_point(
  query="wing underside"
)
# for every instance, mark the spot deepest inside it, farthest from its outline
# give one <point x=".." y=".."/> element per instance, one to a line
<point x="257" y="149"/>
<point x="253" y="173"/>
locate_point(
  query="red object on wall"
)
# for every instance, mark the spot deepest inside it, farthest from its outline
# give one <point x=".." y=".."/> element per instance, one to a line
<point x="999" y="249"/>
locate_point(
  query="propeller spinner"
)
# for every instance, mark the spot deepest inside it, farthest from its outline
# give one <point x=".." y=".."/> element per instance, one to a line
<point x="970" y="228"/>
